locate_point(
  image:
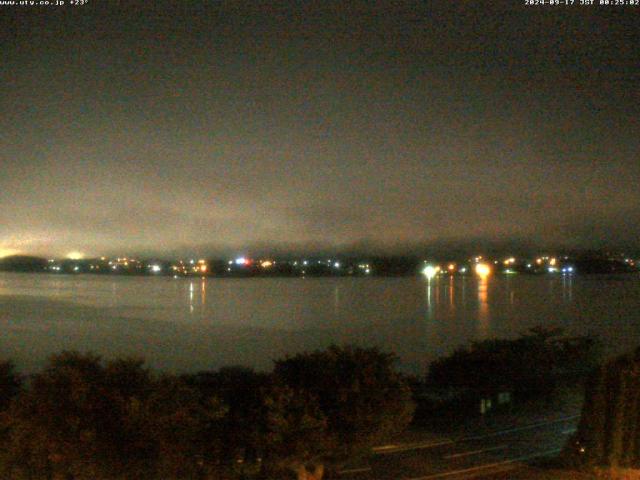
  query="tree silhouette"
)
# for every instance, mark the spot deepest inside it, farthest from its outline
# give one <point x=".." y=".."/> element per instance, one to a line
<point x="354" y="392"/>
<point x="80" y="419"/>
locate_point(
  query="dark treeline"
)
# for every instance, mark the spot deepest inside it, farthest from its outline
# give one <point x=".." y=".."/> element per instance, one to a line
<point x="531" y="365"/>
<point x="503" y="372"/>
<point x="81" y="417"/>
<point x="23" y="263"/>
<point x="84" y="418"/>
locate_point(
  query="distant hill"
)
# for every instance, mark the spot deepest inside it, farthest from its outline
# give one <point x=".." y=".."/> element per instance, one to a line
<point x="23" y="263"/>
<point x="595" y="264"/>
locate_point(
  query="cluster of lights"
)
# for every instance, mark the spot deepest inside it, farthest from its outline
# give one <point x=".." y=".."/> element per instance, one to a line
<point x="245" y="262"/>
<point x="181" y="268"/>
<point x="201" y="267"/>
<point x="185" y="268"/>
<point x="479" y="265"/>
<point x="365" y="267"/>
<point x="484" y="268"/>
<point x="334" y="264"/>
<point x="124" y="262"/>
<point x="551" y="261"/>
<point x="481" y="269"/>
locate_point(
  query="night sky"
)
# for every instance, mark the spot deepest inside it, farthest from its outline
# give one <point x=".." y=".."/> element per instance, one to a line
<point x="206" y="126"/>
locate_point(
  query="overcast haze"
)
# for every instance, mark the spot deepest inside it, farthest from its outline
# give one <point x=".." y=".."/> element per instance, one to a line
<point x="227" y="124"/>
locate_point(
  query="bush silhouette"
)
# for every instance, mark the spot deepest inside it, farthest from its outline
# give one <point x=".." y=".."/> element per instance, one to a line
<point x="609" y="429"/>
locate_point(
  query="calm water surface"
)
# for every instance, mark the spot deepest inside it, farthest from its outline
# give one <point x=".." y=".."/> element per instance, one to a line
<point x="189" y="324"/>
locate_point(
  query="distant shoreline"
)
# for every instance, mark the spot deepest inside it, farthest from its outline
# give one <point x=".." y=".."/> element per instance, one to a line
<point x="305" y="276"/>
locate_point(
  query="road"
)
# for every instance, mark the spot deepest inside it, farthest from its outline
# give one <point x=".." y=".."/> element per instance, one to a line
<point x="468" y="456"/>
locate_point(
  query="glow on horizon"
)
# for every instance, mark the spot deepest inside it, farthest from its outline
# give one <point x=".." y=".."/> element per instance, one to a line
<point x="7" y="252"/>
<point x="75" y="255"/>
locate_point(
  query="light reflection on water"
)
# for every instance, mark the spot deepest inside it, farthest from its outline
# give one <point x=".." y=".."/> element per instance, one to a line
<point x="483" y="308"/>
<point x="194" y="323"/>
<point x="567" y="288"/>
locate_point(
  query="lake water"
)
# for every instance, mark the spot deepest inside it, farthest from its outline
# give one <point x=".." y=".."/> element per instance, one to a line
<point x="188" y="324"/>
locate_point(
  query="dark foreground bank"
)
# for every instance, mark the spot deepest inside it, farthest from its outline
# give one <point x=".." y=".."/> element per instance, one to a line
<point x="81" y="417"/>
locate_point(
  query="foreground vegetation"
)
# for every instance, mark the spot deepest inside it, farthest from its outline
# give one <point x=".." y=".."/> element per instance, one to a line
<point x="84" y="418"/>
<point x="503" y="372"/>
<point x="609" y="430"/>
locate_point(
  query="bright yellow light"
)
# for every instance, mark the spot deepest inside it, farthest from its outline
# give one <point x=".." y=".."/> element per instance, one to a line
<point x="451" y="267"/>
<point x="75" y="255"/>
<point x="552" y="261"/>
<point x="266" y="264"/>
<point x="203" y="268"/>
<point x="483" y="270"/>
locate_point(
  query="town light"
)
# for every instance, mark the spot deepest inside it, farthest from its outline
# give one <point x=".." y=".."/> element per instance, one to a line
<point x="483" y="269"/>
<point x="430" y="271"/>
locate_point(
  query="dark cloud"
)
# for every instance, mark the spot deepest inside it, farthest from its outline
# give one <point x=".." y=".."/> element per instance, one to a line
<point x="176" y="126"/>
<point x="619" y="228"/>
